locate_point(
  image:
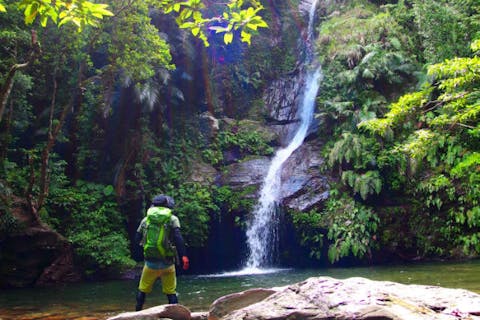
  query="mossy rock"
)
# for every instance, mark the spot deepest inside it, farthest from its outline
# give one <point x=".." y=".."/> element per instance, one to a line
<point x="266" y="133"/>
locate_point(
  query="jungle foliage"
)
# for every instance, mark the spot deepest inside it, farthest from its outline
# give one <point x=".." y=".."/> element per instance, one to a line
<point x="400" y="98"/>
<point x="86" y="140"/>
<point x="94" y="123"/>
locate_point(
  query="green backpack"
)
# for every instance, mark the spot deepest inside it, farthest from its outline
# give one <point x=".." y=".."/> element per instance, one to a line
<point x="157" y="239"/>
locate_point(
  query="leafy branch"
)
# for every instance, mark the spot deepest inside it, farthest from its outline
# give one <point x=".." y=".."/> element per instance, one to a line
<point x="235" y="19"/>
<point x="79" y="12"/>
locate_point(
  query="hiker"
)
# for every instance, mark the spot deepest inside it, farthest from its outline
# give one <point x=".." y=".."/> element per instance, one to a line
<point x="159" y="235"/>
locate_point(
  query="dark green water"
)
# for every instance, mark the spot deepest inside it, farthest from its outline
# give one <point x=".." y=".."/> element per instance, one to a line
<point x="101" y="300"/>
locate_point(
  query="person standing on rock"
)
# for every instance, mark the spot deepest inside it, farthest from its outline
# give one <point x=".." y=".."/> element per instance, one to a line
<point x="159" y="235"/>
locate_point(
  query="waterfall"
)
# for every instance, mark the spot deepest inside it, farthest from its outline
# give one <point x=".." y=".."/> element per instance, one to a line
<point x="262" y="232"/>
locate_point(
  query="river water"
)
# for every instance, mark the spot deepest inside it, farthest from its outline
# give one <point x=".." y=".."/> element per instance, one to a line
<point x="103" y="299"/>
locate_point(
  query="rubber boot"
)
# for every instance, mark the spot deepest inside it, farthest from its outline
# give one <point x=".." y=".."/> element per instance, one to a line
<point x="172" y="298"/>
<point x="140" y="300"/>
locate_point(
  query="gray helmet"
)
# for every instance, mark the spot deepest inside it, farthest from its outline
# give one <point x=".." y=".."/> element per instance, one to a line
<point x="170" y="202"/>
<point x="162" y="200"/>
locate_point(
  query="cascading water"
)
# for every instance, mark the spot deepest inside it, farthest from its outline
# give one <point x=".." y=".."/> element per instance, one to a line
<point x="262" y="233"/>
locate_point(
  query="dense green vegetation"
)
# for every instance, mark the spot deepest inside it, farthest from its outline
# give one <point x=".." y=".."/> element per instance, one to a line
<point x="401" y="99"/>
<point x="86" y="136"/>
<point x="96" y="122"/>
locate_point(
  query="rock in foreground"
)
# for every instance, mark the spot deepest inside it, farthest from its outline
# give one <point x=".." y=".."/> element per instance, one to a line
<point x="169" y="311"/>
<point x="359" y="298"/>
<point x="329" y="298"/>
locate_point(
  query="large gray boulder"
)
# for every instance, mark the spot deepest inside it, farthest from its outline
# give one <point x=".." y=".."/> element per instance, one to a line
<point x="224" y="305"/>
<point x="162" y="312"/>
<point x="328" y="298"/>
<point x="167" y="311"/>
<point x="353" y="298"/>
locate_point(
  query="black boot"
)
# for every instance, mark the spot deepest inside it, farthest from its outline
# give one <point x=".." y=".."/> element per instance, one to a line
<point x="140" y="300"/>
<point x="172" y="298"/>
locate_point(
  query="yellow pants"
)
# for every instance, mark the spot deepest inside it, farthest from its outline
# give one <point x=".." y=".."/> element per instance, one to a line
<point x="167" y="276"/>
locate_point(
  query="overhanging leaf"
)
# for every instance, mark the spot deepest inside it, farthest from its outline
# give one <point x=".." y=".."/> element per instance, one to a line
<point x="246" y="37"/>
<point x="31" y="12"/>
<point x="195" y="31"/>
<point x="228" y="37"/>
<point x="43" y="21"/>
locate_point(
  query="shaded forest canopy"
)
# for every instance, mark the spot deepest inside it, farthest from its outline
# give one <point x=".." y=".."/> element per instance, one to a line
<point x="101" y="120"/>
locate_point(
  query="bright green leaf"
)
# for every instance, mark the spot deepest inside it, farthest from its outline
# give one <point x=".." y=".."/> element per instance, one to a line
<point x="43" y="21"/>
<point x="31" y="12"/>
<point x="195" y="31"/>
<point x="228" y="37"/>
<point x="246" y="37"/>
<point x="64" y="20"/>
<point x="251" y="26"/>
<point x="186" y="25"/>
<point x="108" y="190"/>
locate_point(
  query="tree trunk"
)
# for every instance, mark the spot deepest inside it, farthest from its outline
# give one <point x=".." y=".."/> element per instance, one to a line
<point x="62" y="269"/>
<point x="6" y="133"/>
<point x="71" y="156"/>
<point x="52" y="137"/>
<point x="6" y="88"/>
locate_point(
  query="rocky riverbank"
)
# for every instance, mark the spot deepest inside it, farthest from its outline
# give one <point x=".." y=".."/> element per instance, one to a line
<point x="328" y="298"/>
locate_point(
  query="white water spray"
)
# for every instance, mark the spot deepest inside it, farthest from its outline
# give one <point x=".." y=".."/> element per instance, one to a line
<point x="262" y="233"/>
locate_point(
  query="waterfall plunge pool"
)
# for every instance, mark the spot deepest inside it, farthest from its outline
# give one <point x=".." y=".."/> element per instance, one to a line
<point x="101" y="300"/>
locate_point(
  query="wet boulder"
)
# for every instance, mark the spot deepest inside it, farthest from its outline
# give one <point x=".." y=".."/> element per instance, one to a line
<point x="168" y="311"/>
<point x="355" y="298"/>
<point x="235" y="301"/>
<point x="199" y="315"/>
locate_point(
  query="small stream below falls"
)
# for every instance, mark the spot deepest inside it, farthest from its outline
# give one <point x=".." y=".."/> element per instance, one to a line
<point x="104" y="299"/>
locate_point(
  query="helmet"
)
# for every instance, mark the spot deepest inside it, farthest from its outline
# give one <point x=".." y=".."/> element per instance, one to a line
<point x="159" y="200"/>
<point x="170" y="202"/>
<point x="162" y="200"/>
